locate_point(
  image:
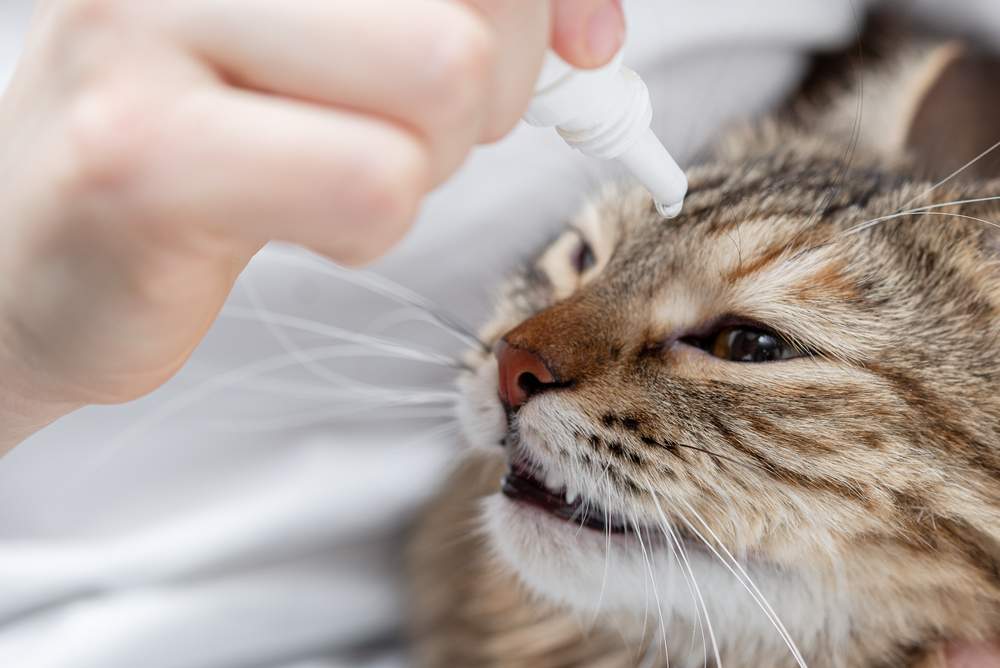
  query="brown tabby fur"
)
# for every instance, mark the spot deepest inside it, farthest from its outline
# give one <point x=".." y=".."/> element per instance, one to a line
<point x="873" y="463"/>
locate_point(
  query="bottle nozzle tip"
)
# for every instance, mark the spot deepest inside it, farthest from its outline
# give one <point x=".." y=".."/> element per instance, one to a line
<point x="668" y="210"/>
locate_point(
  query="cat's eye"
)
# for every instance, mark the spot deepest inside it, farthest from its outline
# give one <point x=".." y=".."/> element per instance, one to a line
<point x="740" y="343"/>
<point x="583" y="257"/>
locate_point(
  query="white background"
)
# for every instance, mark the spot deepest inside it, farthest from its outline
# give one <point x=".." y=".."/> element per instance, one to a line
<point x="185" y="530"/>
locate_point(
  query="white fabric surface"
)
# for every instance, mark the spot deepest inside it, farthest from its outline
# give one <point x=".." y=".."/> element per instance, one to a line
<point x="192" y="530"/>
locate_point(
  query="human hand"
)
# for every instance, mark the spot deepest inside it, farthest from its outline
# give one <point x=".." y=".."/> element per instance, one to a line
<point x="972" y="655"/>
<point x="149" y="149"/>
<point x="963" y="655"/>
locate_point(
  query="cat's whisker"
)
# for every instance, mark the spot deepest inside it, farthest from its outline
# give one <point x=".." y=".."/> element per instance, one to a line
<point x="953" y="175"/>
<point x="697" y="626"/>
<point x="583" y="511"/>
<point x="984" y="221"/>
<point x="350" y="351"/>
<point x="170" y="407"/>
<point x="645" y="617"/>
<point x="386" y="288"/>
<point x="701" y="609"/>
<point x="279" y="334"/>
<point x="400" y="316"/>
<point x="957" y="202"/>
<point x="650" y="655"/>
<point x="645" y="610"/>
<point x="671" y="536"/>
<point x="906" y="210"/>
<point x="701" y="615"/>
<point x="734" y="567"/>
<point x="860" y="227"/>
<point x="362" y="391"/>
<point x="712" y="453"/>
<point x="607" y="544"/>
<point x="438" y="431"/>
<point x="656" y="592"/>
<point x="338" y="333"/>
<point x="314" y="417"/>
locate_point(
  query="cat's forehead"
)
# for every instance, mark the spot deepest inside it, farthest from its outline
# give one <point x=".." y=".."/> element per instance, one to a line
<point x="792" y="194"/>
<point x="787" y="226"/>
<point x="734" y="226"/>
<point x="739" y="218"/>
<point x="781" y="241"/>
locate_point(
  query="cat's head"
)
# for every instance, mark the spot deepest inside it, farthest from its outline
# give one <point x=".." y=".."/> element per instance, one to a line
<point x="767" y="374"/>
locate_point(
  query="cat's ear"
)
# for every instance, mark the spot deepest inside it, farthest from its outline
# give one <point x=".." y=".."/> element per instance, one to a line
<point x="954" y="114"/>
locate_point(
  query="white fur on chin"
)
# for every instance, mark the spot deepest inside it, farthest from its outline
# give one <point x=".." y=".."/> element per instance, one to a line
<point x="592" y="572"/>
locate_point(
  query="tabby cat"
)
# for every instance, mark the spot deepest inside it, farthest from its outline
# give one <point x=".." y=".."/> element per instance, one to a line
<point x="765" y="433"/>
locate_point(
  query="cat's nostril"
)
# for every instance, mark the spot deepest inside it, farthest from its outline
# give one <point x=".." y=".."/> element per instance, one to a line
<point x="522" y="374"/>
<point x="529" y="383"/>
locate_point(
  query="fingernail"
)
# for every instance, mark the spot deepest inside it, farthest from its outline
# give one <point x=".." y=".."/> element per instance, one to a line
<point x="605" y="31"/>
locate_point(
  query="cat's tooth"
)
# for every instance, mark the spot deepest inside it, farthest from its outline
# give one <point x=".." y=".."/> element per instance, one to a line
<point x="555" y="480"/>
<point x="572" y="494"/>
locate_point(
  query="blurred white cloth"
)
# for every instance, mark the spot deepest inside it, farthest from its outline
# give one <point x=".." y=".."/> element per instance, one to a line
<point x="252" y="520"/>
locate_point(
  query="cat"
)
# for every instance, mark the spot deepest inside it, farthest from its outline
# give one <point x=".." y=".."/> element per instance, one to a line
<point x="765" y="433"/>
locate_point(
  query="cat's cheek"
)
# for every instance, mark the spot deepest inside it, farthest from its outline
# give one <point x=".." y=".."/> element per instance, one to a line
<point x="591" y="574"/>
<point x="479" y="411"/>
<point x="562" y="563"/>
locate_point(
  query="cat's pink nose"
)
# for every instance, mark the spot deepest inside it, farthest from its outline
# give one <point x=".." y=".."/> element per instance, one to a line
<point x="522" y="374"/>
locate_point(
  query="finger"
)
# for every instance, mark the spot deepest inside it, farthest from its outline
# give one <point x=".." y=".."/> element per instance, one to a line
<point x="425" y="64"/>
<point x="522" y="33"/>
<point x="340" y="183"/>
<point x="587" y="33"/>
<point x="973" y="655"/>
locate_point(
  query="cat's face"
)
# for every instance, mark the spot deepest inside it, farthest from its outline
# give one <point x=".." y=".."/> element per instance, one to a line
<point x="810" y="399"/>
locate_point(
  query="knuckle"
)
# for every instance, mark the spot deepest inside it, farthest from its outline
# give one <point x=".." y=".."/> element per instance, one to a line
<point x="400" y="183"/>
<point x="499" y="127"/>
<point x="392" y="194"/>
<point x="461" y="66"/>
<point x="108" y="135"/>
<point x="77" y="13"/>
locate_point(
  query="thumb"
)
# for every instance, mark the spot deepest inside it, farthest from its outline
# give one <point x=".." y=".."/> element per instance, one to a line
<point x="587" y="33"/>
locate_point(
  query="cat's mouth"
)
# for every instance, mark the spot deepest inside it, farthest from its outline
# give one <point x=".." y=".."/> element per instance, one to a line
<point x="522" y="484"/>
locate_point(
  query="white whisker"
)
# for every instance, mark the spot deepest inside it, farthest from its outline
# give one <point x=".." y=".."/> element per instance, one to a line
<point x="339" y="333"/>
<point x="734" y="567"/>
<point x="174" y="405"/>
<point x="671" y="536"/>
<point x="446" y="429"/>
<point x="697" y="626"/>
<point x="285" y="341"/>
<point x="607" y="545"/>
<point x="860" y="227"/>
<point x="954" y="174"/>
<point x="645" y="612"/>
<point x="400" y="316"/>
<point x="363" y="392"/>
<point x="959" y="215"/>
<point x="656" y="592"/>
<point x="383" y="286"/>
<point x="314" y="417"/>
<point x="905" y="209"/>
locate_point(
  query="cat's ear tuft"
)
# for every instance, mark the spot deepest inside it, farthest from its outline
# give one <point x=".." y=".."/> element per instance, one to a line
<point x="955" y="113"/>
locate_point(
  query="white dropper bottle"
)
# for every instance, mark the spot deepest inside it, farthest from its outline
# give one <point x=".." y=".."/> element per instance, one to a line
<point x="606" y="113"/>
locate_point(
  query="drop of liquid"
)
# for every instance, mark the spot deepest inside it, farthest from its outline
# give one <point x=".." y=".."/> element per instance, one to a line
<point x="669" y="210"/>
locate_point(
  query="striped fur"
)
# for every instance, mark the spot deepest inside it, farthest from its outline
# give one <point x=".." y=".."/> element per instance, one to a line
<point x="859" y="486"/>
